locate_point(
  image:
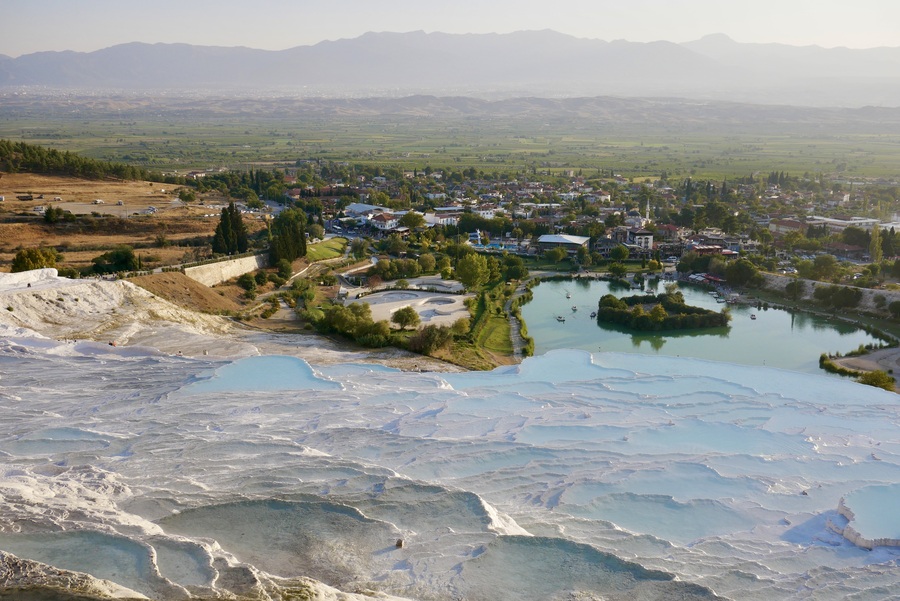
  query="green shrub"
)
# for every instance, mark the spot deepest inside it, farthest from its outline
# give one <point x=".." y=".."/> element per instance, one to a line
<point x="247" y="282"/>
<point x="878" y="379"/>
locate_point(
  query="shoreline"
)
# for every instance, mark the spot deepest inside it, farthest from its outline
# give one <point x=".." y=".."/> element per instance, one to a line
<point x="882" y="359"/>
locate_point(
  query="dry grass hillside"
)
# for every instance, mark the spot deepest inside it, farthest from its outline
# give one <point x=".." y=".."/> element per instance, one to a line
<point x="164" y="237"/>
<point x="181" y="290"/>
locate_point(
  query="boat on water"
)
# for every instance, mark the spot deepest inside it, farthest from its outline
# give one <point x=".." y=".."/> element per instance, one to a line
<point x="753" y="316"/>
<point x="560" y="318"/>
<point x="574" y="308"/>
<point x="568" y="294"/>
<point x="593" y="314"/>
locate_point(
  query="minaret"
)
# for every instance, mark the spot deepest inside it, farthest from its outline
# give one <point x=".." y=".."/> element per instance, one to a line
<point x="647" y="215"/>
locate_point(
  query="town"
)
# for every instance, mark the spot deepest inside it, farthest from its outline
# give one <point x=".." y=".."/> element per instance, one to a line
<point x="780" y="221"/>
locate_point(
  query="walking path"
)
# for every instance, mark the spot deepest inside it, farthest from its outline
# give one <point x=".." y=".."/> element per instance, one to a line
<point x="515" y="326"/>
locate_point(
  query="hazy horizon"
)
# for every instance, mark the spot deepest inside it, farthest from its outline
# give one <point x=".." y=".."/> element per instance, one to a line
<point x="58" y="25"/>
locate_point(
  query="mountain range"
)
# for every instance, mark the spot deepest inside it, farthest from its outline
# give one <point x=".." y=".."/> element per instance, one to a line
<point x="529" y="63"/>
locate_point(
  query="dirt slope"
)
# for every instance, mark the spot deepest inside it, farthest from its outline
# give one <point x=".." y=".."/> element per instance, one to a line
<point x="177" y="288"/>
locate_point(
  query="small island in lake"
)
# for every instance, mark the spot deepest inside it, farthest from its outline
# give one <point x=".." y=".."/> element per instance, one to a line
<point x="649" y="312"/>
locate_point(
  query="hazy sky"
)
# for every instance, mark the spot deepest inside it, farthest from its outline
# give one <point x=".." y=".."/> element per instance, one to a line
<point x="84" y="25"/>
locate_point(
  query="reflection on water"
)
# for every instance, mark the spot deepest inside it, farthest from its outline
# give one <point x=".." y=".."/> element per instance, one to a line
<point x="775" y="337"/>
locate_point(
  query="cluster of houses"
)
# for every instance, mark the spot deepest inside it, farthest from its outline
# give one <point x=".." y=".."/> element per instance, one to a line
<point x="641" y="240"/>
<point x="555" y="209"/>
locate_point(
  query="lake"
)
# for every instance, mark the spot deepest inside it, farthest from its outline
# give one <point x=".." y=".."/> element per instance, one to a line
<point x="776" y="338"/>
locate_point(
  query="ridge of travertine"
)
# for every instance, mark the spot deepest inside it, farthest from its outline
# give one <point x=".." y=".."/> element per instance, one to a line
<point x="113" y="311"/>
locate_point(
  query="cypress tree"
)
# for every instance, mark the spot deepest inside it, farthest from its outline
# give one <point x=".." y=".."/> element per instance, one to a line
<point x="288" y="232"/>
<point x="221" y="240"/>
<point x="231" y="233"/>
<point x="240" y="242"/>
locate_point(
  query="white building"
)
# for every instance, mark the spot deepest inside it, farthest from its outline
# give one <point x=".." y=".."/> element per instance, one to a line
<point x="384" y="221"/>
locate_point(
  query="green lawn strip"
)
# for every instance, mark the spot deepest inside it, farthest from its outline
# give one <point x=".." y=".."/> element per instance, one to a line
<point x="495" y="336"/>
<point x="329" y="249"/>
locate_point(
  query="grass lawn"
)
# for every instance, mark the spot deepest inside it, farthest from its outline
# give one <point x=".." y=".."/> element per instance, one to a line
<point x="495" y="336"/>
<point x="329" y="249"/>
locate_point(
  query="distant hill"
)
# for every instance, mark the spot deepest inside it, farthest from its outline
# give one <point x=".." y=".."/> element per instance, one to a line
<point x="530" y="63"/>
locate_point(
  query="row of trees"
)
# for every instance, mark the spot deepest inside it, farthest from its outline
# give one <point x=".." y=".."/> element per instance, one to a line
<point x="354" y="321"/>
<point x="245" y="185"/>
<point x="474" y="270"/>
<point x="19" y="156"/>
<point x="392" y="269"/>
<point x="838" y="297"/>
<point x="121" y="258"/>
<point x="740" y="272"/>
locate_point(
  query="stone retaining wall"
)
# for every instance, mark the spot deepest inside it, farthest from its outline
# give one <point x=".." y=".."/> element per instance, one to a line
<point x="222" y="271"/>
<point x="778" y="282"/>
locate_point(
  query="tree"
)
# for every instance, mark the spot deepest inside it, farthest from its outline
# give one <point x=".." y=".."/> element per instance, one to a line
<point x="430" y="338"/>
<point x="427" y="262"/>
<point x="795" y="289"/>
<point x="855" y="236"/>
<point x="555" y="254"/>
<point x="875" y="251"/>
<point x="186" y="195"/>
<point x="122" y="258"/>
<point x="395" y="245"/>
<point x="285" y="271"/>
<point x="619" y="253"/>
<point x="247" y="282"/>
<point x="412" y="220"/>
<point x="793" y="239"/>
<point x="287" y="236"/>
<point x="514" y="268"/>
<point x="658" y="313"/>
<point x="315" y="231"/>
<point x="838" y="297"/>
<point x="618" y="270"/>
<point x="57" y="214"/>
<point x="35" y="258"/>
<point x="583" y="254"/>
<point x="825" y="267"/>
<point x="358" y="247"/>
<point x="472" y="271"/>
<point x="894" y="308"/>
<point x="740" y="272"/>
<point x="231" y="233"/>
<point x="405" y="317"/>
<point x="461" y="326"/>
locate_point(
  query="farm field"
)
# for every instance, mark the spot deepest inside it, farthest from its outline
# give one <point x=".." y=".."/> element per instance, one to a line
<point x="682" y="141"/>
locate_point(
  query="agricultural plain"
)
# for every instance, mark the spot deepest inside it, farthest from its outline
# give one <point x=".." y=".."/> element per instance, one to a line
<point x="637" y="138"/>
